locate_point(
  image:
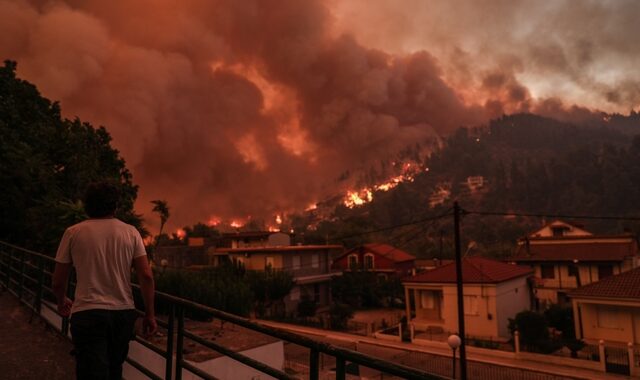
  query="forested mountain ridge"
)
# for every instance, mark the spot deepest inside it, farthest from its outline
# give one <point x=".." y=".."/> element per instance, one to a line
<point x="528" y="163"/>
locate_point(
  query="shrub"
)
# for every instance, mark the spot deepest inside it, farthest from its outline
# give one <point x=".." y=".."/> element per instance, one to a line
<point x="306" y="307"/>
<point x="340" y="314"/>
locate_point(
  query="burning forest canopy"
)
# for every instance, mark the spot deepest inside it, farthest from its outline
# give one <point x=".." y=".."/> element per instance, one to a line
<point x="232" y="110"/>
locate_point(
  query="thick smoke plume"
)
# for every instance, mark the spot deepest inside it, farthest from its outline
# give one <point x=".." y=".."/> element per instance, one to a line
<point x="252" y="108"/>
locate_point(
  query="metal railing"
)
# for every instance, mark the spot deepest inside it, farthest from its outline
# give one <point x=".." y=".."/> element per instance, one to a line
<point x="26" y="274"/>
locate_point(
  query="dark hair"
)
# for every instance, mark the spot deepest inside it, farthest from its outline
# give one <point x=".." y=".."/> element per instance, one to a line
<point x="101" y="199"/>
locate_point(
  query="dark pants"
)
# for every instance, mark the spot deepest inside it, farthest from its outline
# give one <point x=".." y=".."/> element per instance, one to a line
<point x="101" y="342"/>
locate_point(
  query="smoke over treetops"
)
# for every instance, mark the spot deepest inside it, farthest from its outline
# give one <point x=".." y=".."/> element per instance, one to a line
<point x="254" y="108"/>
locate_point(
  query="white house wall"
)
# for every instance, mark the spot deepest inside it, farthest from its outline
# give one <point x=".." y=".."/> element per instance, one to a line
<point x="478" y="325"/>
<point x="512" y="297"/>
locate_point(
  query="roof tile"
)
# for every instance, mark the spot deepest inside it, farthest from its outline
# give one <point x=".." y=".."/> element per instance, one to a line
<point x="576" y="250"/>
<point x="623" y="285"/>
<point x="474" y="270"/>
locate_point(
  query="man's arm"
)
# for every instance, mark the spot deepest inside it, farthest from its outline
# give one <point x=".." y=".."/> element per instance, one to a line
<point x="147" y="288"/>
<point x="59" y="281"/>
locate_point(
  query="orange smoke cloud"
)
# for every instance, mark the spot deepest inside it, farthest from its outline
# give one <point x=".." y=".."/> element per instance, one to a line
<point x="255" y="108"/>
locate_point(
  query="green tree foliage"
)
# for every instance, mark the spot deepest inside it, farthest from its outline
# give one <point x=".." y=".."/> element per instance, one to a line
<point x="307" y="307"/>
<point x="339" y="315"/>
<point x="269" y="287"/>
<point x="229" y="288"/>
<point x="534" y="331"/>
<point x="46" y="163"/>
<point x="363" y="289"/>
<point x="561" y="319"/>
<point x="221" y="288"/>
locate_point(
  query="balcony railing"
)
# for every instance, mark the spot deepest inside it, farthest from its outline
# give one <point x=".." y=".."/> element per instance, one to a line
<point x="26" y="274"/>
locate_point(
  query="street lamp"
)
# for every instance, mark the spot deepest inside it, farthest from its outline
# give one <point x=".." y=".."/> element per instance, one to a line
<point x="164" y="263"/>
<point x="454" y="342"/>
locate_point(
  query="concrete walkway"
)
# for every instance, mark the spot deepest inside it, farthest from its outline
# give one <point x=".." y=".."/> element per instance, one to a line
<point x="30" y="350"/>
<point x="549" y="368"/>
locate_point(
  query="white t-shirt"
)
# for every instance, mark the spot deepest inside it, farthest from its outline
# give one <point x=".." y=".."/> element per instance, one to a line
<point x="102" y="251"/>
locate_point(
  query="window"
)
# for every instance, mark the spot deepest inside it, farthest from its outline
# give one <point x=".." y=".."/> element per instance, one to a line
<point x="315" y="260"/>
<point x="368" y="261"/>
<point x="296" y="262"/>
<point x="316" y="293"/>
<point x="470" y="305"/>
<point x="295" y="293"/>
<point x="573" y="270"/>
<point x="547" y="271"/>
<point x="353" y="261"/>
<point x="427" y="300"/>
<point x="268" y="262"/>
<point x="558" y="231"/>
<point x="605" y="271"/>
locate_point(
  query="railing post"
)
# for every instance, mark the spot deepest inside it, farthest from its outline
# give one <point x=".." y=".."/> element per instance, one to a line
<point x="341" y="369"/>
<point x="21" y="286"/>
<point x="603" y="356"/>
<point x="38" y="304"/>
<point x="314" y="364"/>
<point x="179" y="343"/>
<point x="9" y="264"/>
<point x="632" y="364"/>
<point x="5" y="264"/>
<point x="170" y="332"/>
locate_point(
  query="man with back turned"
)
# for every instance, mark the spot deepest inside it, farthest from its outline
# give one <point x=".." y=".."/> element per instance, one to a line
<point x="102" y="249"/>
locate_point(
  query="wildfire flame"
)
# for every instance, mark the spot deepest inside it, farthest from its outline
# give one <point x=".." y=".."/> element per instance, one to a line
<point x="359" y="197"/>
<point x="236" y="224"/>
<point x="214" y="221"/>
<point x="278" y="219"/>
<point x="180" y="233"/>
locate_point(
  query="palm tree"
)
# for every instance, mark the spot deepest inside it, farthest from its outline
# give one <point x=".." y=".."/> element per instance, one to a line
<point x="162" y="208"/>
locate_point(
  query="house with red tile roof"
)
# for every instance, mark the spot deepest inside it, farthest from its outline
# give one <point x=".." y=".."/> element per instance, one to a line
<point x="565" y="257"/>
<point x="376" y="257"/>
<point x="609" y="309"/>
<point x="494" y="291"/>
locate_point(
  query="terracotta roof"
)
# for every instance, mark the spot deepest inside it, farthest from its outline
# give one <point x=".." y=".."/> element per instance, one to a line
<point x="432" y="262"/>
<point x="576" y="249"/>
<point x="474" y="270"/>
<point x="389" y="252"/>
<point x="623" y="285"/>
<point x="385" y="250"/>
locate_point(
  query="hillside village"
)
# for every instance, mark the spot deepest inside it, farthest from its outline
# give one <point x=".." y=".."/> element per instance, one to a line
<point x="564" y="293"/>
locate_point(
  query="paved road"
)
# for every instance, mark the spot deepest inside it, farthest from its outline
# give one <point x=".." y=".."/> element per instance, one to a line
<point x="434" y="360"/>
<point x="30" y="351"/>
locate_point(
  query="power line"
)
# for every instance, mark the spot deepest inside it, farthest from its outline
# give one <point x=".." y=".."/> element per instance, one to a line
<point x="550" y="215"/>
<point x="393" y="227"/>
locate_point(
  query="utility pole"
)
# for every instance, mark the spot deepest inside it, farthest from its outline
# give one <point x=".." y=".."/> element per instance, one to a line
<point x="463" y="351"/>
